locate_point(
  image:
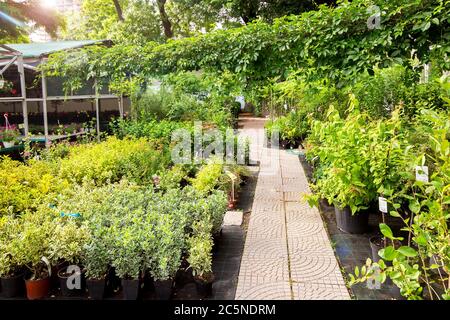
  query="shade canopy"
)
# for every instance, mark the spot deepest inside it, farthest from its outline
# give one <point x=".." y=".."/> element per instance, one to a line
<point x="39" y="49"/>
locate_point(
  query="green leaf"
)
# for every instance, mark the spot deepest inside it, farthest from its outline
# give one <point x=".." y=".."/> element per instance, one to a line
<point x="394" y="214"/>
<point x="407" y="251"/>
<point x="386" y="231"/>
<point x="388" y="253"/>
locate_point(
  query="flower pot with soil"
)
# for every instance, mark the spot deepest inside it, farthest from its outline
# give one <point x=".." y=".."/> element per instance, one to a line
<point x="12" y="286"/>
<point x="356" y="223"/>
<point x="163" y="289"/>
<point x="71" y="281"/>
<point x="204" y="284"/>
<point x="131" y="288"/>
<point x="96" y="288"/>
<point x="37" y="288"/>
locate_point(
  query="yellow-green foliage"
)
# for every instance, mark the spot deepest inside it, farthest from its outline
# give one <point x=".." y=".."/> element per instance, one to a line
<point x="111" y="160"/>
<point x="24" y="186"/>
<point x="208" y="177"/>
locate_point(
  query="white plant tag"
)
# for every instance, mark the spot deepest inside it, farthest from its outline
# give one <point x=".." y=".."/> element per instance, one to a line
<point x="422" y="173"/>
<point x="21" y="126"/>
<point x="382" y="204"/>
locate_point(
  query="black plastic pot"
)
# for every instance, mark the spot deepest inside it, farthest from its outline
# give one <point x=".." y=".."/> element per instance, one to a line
<point x="63" y="284"/>
<point x="353" y="224"/>
<point x="204" y="288"/>
<point x="163" y="289"/>
<point x="130" y="289"/>
<point x="13" y="286"/>
<point x="96" y="288"/>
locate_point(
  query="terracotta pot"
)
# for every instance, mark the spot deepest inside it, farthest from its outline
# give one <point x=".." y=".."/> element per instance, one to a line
<point x="37" y="289"/>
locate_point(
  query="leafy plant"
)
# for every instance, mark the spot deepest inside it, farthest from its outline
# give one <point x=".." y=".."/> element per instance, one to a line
<point x="68" y="242"/>
<point x="10" y="259"/>
<point x="9" y="135"/>
<point x="200" y="249"/>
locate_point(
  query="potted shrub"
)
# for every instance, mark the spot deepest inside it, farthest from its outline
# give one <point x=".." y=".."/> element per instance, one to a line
<point x="345" y="177"/>
<point x="200" y="259"/>
<point x="128" y="259"/>
<point x="67" y="246"/>
<point x="9" y="137"/>
<point x="11" y="267"/>
<point x="97" y="261"/>
<point x="166" y="260"/>
<point x="34" y="247"/>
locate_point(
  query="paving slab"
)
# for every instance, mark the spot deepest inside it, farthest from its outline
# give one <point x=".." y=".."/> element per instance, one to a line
<point x="287" y="253"/>
<point x="233" y="218"/>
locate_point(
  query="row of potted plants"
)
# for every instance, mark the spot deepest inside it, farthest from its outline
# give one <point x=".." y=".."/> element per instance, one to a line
<point x="136" y="231"/>
<point x="399" y="167"/>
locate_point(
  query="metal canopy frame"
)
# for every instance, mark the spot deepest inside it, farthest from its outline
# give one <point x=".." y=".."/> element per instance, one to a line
<point x="16" y="58"/>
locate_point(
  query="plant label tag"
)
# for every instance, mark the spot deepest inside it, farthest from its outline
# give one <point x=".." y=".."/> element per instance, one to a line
<point x="382" y="204"/>
<point x="422" y="173"/>
<point x="21" y="126"/>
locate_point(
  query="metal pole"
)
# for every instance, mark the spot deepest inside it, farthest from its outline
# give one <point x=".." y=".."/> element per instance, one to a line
<point x="23" y="90"/>
<point x="44" y="108"/>
<point x="97" y="110"/>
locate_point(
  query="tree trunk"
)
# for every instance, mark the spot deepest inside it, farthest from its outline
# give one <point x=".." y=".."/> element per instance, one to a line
<point x="118" y="10"/>
<point x="167" y="25"/>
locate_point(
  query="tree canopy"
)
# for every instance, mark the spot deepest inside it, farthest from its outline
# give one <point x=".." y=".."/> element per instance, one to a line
<point x="332" y="43"/>
<point x="15" y="14"/>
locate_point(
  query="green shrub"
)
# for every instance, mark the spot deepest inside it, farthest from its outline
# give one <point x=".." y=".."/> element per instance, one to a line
<point x="67" y="242"/>
<point x="112" y="160"/>
<point x="24" y="186"/>
<point x="200" y="249"/>
<point x="11" y="260"/>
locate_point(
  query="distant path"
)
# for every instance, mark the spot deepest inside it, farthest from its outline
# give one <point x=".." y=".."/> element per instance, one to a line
<point x="287" y="253"/>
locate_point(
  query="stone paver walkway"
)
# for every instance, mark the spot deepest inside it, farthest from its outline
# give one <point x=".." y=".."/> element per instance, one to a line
<point x="287" y="253"/>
